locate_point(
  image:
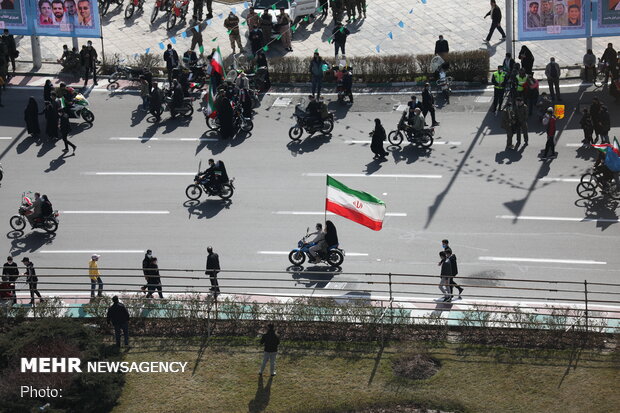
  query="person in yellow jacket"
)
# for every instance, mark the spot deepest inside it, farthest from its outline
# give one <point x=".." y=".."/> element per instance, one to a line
<point x="521" y="79"/>
<point x="95" y="277"/>
<point x="498" y="79"/>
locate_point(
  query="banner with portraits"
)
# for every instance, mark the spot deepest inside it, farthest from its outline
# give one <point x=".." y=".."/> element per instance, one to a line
<point x="553" y="19"/>
<point x="64" y="18"/>
<point x="606" y="18"/>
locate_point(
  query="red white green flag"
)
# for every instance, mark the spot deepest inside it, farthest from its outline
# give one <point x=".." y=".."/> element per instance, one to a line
<point x="603" y="146"/>
<point x="209" y="99"/>
<point x="217" y="62"/>
<point x="357" y="206"/>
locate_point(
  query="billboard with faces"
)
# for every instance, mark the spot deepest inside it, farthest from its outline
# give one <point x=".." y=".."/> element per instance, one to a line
<point x="553" y="19"/>
<point x="65" y="18"/>
<point x="606" y="18"/>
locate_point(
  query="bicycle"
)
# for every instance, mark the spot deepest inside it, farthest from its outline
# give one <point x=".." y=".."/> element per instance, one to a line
<point x="593" y="182"/>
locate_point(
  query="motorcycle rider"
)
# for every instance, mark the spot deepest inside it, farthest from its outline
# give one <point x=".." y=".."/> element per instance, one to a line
<point x="313" y="112"/>
<point x="190" y="58"/>
<point x="331" y="235"/>
<point x="69" y="59"/>
<point x="418" y="122"/>
<point x="215" y="175"/>
<point x="177" y="97"/>
<point x="319" y="243"/>
<point x="35" y="206"/>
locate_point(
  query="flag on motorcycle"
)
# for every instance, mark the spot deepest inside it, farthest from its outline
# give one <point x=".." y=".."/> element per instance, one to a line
<point x="357" y="206"/>
<point x="217" y="62"/>
<point x="603" y="146"/>
<point x="210" y="101"/>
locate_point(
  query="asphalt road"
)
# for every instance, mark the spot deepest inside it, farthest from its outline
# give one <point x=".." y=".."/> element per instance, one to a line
<point x="466" y="188"/>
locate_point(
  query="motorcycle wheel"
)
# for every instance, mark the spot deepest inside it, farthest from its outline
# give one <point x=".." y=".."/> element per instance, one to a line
<point x="50" y="226"/>
<point x="213" y="124"/>
<point x="193" y="192"/>
<point x="114" y="77"/>
<point x="586" y="190"/>
<point x="154" y="14"/>
<point x="106" y="6"/>
<point x="188" y="110"/>
<point x="328" y="126"/>
<point x="88" y="116"/>
<point x="172" y="20"/>
<point x="226" y="192"/>
<point x="395" y="137"/>
<point x="295" y="133"/>
<point x="247" y="125"/>
<point x="17" y="223"/>
<point x="129" y="10"/>
<point x="296" y="257"/>
<point x="426" y="140"/>
<point x="335" y="258"/>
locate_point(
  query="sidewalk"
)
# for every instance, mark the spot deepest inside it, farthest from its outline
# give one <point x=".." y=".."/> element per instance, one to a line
<point x="463" y="27"/>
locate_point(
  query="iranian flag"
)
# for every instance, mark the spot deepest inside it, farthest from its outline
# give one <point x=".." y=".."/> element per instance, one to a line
<point x="357" y="206"/>
<point x="217" y="62"/>
<point x="209" y="108"/>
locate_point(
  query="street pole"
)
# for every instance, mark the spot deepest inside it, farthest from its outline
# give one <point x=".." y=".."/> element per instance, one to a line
<point x="36" y="52"/>
<point x="75" y="44"/>
<point x="509" y="27"/>
<point x="589" y="37"/>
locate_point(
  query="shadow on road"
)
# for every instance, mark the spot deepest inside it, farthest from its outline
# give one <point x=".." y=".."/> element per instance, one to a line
<point x="207" y="209"/>
<point x="310" y="144"/>
<point x="315" y="276"/>
<point x="30" y="242"/>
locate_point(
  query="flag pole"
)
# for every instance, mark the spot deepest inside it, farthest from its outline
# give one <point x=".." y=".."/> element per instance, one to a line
<point x="326" y="185"/>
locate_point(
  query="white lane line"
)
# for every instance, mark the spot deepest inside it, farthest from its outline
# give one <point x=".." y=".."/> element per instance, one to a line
<point x="141" y="173"/>
<point x="145" y="139"/>
<point x="542" y="260"/>
<point x="560" y="179"/>
<point x="5" y="138"/>
<point x="92" y="251"/>
<point x="347" y="254"/>
<point x="322" y="174"/>
<point x="117" y="212"/>
<point x="388" y="214"/>
<point x="574" y="145"/>
<point x="535" y="218"/>
<point x="354" y="141"/>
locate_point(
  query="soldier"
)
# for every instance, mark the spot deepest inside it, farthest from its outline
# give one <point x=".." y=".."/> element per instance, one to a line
<point x="361" y="7"/>
<point x="232" y="25"/>
<point x="198" y="6"/>
<point x="350" y="6"/>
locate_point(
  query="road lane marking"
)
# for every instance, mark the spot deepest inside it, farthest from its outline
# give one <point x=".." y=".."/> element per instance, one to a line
<point x="146" y="139"/>
<point x="117" y="212"/>
<point x="322" y="174"/>
<point x="535" y="218"/>
<point x="542" y="260"/>
<point x="141" y="173"/>
<point x="5" y="138"/>
<point x="366" y="142"/>
<point x="91" y="251"/>
<point x="560" y="179"/>
<point x="346" y="254"/>
<point x="388" y="214"/>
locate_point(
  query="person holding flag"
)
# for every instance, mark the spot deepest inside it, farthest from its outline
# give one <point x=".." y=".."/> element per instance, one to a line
<point x="216" y="68"/>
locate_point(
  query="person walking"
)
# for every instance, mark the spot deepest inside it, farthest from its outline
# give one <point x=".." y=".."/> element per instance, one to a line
<point x="604" y="124"/>
<point x="47" y="90"/>
<point x="88" y="58"/>
<point x="31" y="117"/>
<point x="316" y="72"/>
<point x="378" y="137"/>
<point x="445" y="274"/>
<point x="213" y="267"/>
<point x="442" y="48"/>
<point x="324" y="8"/>
<point x="498" y="79"/>
<point x="209" y="9"/>
<point x="549" y="122"/>
<point x="588" y="128"/>
<point x="270" y="342"/>
<point x="589" y="66"/>
<point x="452" y="258"/>
<point x="65" y="128"/>
<point x="231" y="23"/>
<point x="51" y="118"/>
<point x="95" y="276"/>
<point x="527" y="60"/>
<point x="11" y="272"/>
<point x="521" y="115"/>
<point x="153" y="281"/>
<point x="284" y="28"/>
<point x="119" y="317"/>
<point x="32" y="280"/>
<point x="339" y="34"/>
<point x="9" y="41"/>
<point x="496" y="21"/>
<point x="198" y="7"/>
<point x="146" y="262"/>
<point x="171" y="57"/>
<point x="196" y="39"/>
<point x="610" y="57"/>
<point x="428" y="103"/>
<point x="552" y="71"/>
<point x="531" y="92"/>
<point x="595" y="114"/>
<point x="509" y="123"/>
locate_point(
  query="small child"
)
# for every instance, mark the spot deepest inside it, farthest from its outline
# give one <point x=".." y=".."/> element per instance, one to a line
<point x="587" y="127"/>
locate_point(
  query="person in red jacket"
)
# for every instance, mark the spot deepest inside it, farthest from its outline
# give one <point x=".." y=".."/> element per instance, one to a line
<point x="549" y="122"/>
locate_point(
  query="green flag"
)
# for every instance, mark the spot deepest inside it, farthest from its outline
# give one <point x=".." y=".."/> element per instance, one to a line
<point x="265" y="48"/>
<point x="201" y="49"/>
<point x="294" y="28"/>
<point x="329" y="40"/>
<point x="229" y="32"/>
<point x="214" y="39"/>
<point x="273" y="6"/>
<point x="279" y="37"/>
<point x="243" y="23"/>
<point x="306" y="18"/>
<point x="342" y="29"/>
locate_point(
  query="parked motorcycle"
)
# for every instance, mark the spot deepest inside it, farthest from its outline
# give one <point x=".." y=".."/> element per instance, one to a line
<point x="79" y="108"/>
<point x="125" y="72"/>
<point x="178" y="12"/>
<point x="18" y="221"/>
<point x="304" y="123"/>
<point x="200" y="185"/>
<point x="334" y="256"/>
<point x="132" y="6"/>
<point x="104" y="5"/>
<point x="160" y="6"/>
<point x="424" y="138"/>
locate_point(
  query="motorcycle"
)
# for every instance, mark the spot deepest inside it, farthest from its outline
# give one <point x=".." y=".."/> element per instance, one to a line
<point x="160" y="5"/>
<point x="125" y="72"/>
<point x="258" y="79"/>
<point x="18" y="221"/>
<point x="424" y="138"/>
<point x="197" y="78"/>
<point x="303" y="123"/>
<point x="79" y="108"/>
<point x="104" y="5"/>
<point x="178" y="11"/>
<point x="334" y="256"/>
<point x="200" y="185"/>
<point x="240" y="122"/>
<point x="131" y="7"/>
